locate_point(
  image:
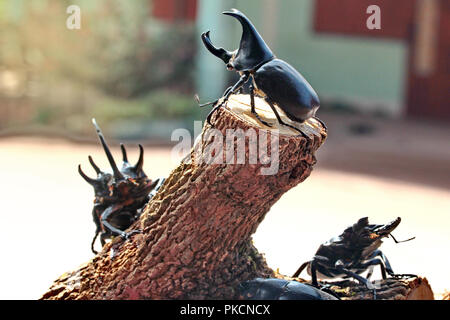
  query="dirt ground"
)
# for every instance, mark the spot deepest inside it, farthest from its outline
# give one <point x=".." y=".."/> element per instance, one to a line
<point x="390" y="169"/>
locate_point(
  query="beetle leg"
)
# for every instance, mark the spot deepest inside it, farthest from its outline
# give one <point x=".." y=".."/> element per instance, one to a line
<point x="158" y="183"/>
<point x="389" y="268"/>
<point x="229" y="92"/>
<point x="104" y="219"/>
<point x="96" y="217"/>
<point x="93" y="241"/>
<point x="281" y="121"/>
<point x="314" y="274"/>
<point x="369" y="273"/>
<point x="211" y="102"/>
<point x="374" y="262"/>
<point x="299" y="270"/>
<point x="367" y="283"/>
<point x="208" y="118"/>
<point x="252" y="104"/>
<point x="114" y="231"/>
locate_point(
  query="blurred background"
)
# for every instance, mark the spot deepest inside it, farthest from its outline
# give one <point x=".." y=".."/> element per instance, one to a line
<point x="136" y="65"/>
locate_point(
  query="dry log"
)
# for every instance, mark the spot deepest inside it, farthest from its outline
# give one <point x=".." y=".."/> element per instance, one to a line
<point x="390" y="289"/>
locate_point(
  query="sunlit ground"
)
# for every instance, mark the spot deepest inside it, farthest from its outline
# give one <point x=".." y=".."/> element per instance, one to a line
<point x="47" y="226"/>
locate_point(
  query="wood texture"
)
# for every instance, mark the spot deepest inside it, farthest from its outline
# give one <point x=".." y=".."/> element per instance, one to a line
<point x="389" y="289"/>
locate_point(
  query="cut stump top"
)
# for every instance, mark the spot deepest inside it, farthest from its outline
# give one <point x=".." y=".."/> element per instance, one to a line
<point x="239" y="105"/>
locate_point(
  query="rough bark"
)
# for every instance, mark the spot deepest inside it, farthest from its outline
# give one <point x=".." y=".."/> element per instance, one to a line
<point x="390" y="289"/>
<point x="196" y="232"/>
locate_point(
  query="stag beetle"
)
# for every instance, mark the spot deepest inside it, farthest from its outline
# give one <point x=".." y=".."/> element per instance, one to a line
<point x="119" y="196"/>
<point x="352" y="253"/>
<point x="280" y="289"/>
<point x="271" y="78"/>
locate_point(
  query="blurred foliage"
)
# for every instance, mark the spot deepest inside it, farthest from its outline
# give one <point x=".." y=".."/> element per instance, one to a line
<point x="121" y="64"/>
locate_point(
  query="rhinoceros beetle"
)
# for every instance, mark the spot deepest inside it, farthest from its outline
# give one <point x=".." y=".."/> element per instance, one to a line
<point x="280" y="289"/>
<point x="271" y="78"/>
<point x="352" y="253"/>
<point x="120" y="195"/>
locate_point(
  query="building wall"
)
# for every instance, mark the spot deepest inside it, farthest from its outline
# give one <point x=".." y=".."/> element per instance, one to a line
<point x="370" y="72"/>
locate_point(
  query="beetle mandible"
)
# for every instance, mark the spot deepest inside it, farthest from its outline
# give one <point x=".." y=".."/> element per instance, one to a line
<point x="352" y="253"/>
<point x="273" y="79"/>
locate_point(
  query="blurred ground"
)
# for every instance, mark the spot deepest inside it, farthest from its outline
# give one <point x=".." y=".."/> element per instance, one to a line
<point x="389" y="169"/>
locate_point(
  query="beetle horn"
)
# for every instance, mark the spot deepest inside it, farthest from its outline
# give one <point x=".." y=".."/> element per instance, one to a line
<point x="117" y="174"/>
<point x="124" y="153"/>
<point x="139" y="165"/>
<point x="220" y="53"/>
<point x="388" y="228"/>
<point x="361" y="224"/>
<point x="85" y="177"/>
<point x="97" y="169"/>
<point x="253" y="51"/>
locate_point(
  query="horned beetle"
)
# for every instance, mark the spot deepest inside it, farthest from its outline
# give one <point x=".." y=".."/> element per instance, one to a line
<point x="120" y="195"/>
<point x="352" y="253"/>
<point x="271" y="78"/>
<point x="280" y="289"/>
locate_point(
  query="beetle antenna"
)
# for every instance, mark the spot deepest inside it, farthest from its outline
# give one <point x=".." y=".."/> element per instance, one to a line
<point x="201" y="105"/>
<point x="124" y="153"/>
<point x="138" y="166"/>
<point x="97" y="169"/>
<point x="210" y="103"/>
<point x="117" y="174"/>
<point x="396" y="241"/>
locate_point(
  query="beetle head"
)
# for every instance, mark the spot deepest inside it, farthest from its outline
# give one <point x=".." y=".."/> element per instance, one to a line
<point x="252" y="51"/>
<point x="118" y="184"/>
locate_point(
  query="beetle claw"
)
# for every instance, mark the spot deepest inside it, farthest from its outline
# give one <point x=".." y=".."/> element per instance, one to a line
<point x="208" y="118"/>
<point x="322" y="123"/>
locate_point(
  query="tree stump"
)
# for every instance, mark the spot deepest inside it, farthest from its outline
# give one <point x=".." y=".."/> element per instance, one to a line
<point x="196" y="231"/>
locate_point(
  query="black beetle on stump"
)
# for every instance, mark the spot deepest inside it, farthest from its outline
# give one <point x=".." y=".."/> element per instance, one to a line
<point x="273" y="79"/>
<point x="352" y="253"/>
<point x="119" y="196"/>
